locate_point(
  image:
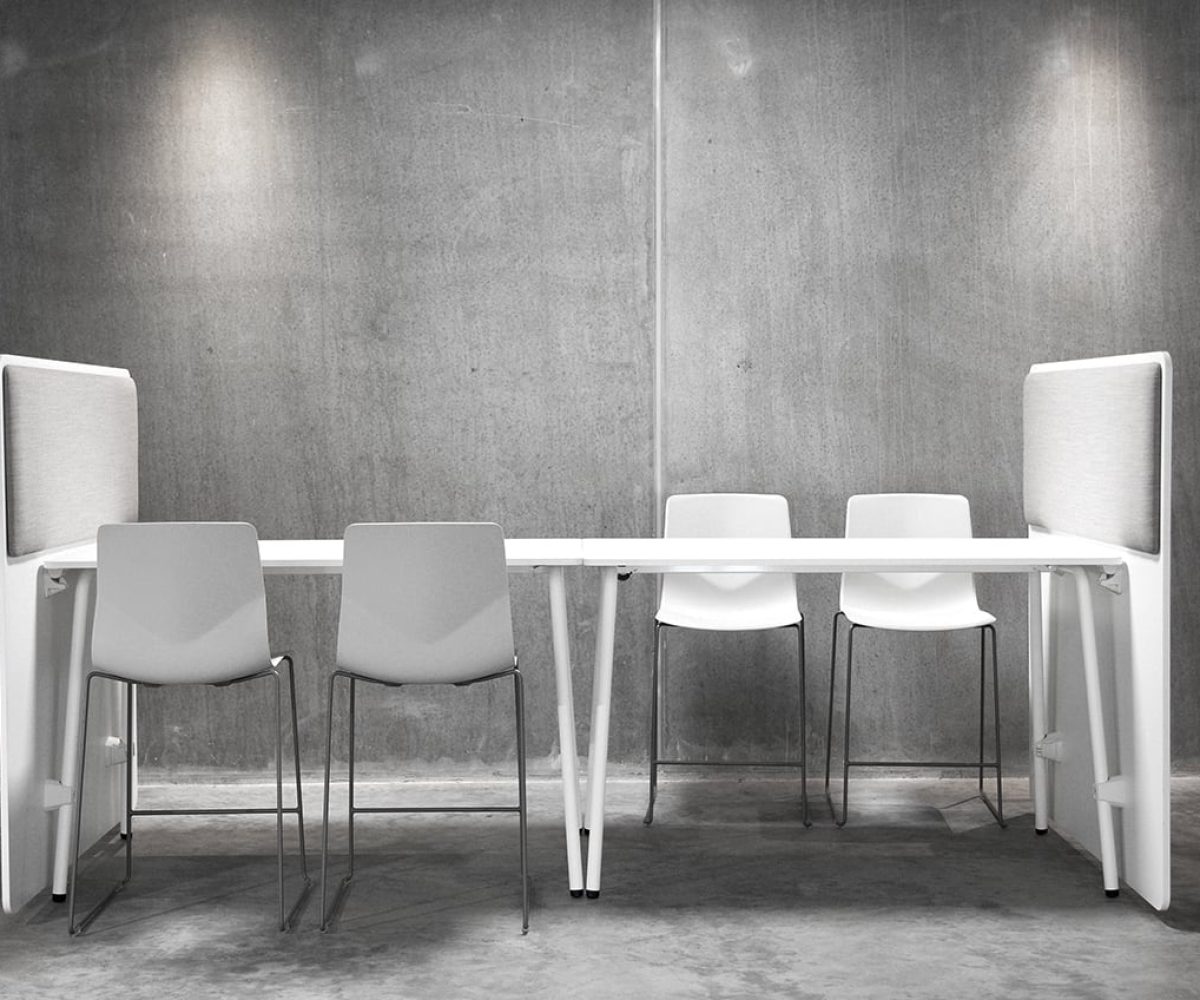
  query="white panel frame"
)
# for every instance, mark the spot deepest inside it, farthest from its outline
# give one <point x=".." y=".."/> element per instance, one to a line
<point x="35" y="634"/>
<point x="1135" y="685"/>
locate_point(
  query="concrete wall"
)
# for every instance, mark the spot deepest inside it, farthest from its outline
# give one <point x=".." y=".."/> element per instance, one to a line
<point x="879" y="214"/>
<point x="372" y="260"/>
<point x="366" y="261"/>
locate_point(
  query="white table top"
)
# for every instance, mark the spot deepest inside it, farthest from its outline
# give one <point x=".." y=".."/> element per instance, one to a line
<point x="791" y="555"/>
<point x="836" y="555"/>
<point x="324" y="555"/>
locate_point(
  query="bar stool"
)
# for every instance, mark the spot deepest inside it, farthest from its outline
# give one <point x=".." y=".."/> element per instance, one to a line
<point x="423" y="604"/>
<point x="912" y="602"/>
<point x="183" y="603"/>
<point x="725" y="602"/>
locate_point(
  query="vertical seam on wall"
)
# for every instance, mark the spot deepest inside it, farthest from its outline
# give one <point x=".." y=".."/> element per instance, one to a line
<point x="659" y="297"/>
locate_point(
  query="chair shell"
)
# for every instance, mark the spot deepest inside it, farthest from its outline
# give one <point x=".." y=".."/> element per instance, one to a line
<point x="728" y="601"/>
<point x="919" y="602"/>
<point x="179" y="603"/>
<point x="407" y="615"/>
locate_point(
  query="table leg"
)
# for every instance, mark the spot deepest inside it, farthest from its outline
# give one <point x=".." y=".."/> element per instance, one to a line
<point x="566" y="727"/>
<point x="133" y="757"/>
<point x="70" y="736"/>
<point x="1091" y="672"/>
<point x="601" y="697"/>
<point x="1037" y="704"/>
<point x="586" y="798"/>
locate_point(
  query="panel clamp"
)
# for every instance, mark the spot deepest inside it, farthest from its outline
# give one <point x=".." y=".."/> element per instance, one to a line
<point x="1112" y="578"/>
<point x="53" y="582"/>
<point x="1052" y="746"/>
<point x="55" y="795"/>
<point x="1116" y="791"/>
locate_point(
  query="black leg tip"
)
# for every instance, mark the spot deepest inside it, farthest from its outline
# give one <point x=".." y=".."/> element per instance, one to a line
<point x="576" y="893"/>
<point x="124" y="836"/>
<point x="1041" y="833"/>
<point x="1112" y="893"/>
<point x="593" y="894"/>
<point x="58" y="897"/>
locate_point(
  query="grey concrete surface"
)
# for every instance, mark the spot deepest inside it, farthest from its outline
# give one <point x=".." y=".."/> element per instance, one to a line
<point x="371" y="260"/>
<point x="726" y="895"/>
<point x="878" y="215"/>
<point x="366" y="261"/>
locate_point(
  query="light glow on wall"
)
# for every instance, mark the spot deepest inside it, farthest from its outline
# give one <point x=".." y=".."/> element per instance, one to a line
<point x="226" y="140"/>
<point x="1101" y="149"/>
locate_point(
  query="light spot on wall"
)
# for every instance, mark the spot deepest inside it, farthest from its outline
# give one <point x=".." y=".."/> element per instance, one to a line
<point x="1089" y="187"/>
<point x="228" y="142"/>
<point x="1058" y="59"/>
<point x="13" y="58"/>
<point x="368" y="63"/>
<point x="737" y="56"/>
<point x="222" y="119"/>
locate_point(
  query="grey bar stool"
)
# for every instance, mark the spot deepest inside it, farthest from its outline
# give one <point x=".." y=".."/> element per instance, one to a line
<point x="423" y="603"/>
<point x="183" y="603"/>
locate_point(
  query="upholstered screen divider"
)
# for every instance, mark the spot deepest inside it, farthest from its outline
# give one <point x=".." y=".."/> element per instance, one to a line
<point x="71" y="455"/>
<point x="1093" y="452"/>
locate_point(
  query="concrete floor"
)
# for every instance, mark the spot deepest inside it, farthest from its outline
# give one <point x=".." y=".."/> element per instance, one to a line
<point x="726" y="895"/>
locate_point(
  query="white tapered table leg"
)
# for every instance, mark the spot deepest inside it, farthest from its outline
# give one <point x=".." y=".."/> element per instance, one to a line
<point x="601" y="698"/>
<point x="133" y="757"/>
<point x="1091" y="671"/>
<point x="70" y="735"/>
<point x="566" y="727"/>
<point x="1037" y="704"/>
<point x="586" y="799"/>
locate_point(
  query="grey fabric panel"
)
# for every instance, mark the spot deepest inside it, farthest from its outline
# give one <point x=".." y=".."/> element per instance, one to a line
<point x="1092" y="447"/>
<point x="71" y="455"/>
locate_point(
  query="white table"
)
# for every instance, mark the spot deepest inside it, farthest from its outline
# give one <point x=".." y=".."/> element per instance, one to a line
<point x="618" y="557"/>
<point x="1085" y="560"/>
<point x="320" y="556"/>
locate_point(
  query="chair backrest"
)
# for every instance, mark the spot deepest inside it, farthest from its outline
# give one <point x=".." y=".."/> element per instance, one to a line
<point x="907" y="515"/>
<point x="179" y="603"/>
<point x="425" y="603"/>
<point x="728" y="600"/>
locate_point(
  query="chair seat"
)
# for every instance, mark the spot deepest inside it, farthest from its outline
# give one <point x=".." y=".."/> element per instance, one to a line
<point x="902" y="620"/>
<point x="913" y="602"/>
<point x="729" y="602"/>
<point x="735" y="620"/>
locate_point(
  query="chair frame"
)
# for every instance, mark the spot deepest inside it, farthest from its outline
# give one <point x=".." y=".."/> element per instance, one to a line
<point x="286" y="918"/>
<point x="331" y="914"/>
<point x="658" y="682"/>
<point x="996" y="808"/>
